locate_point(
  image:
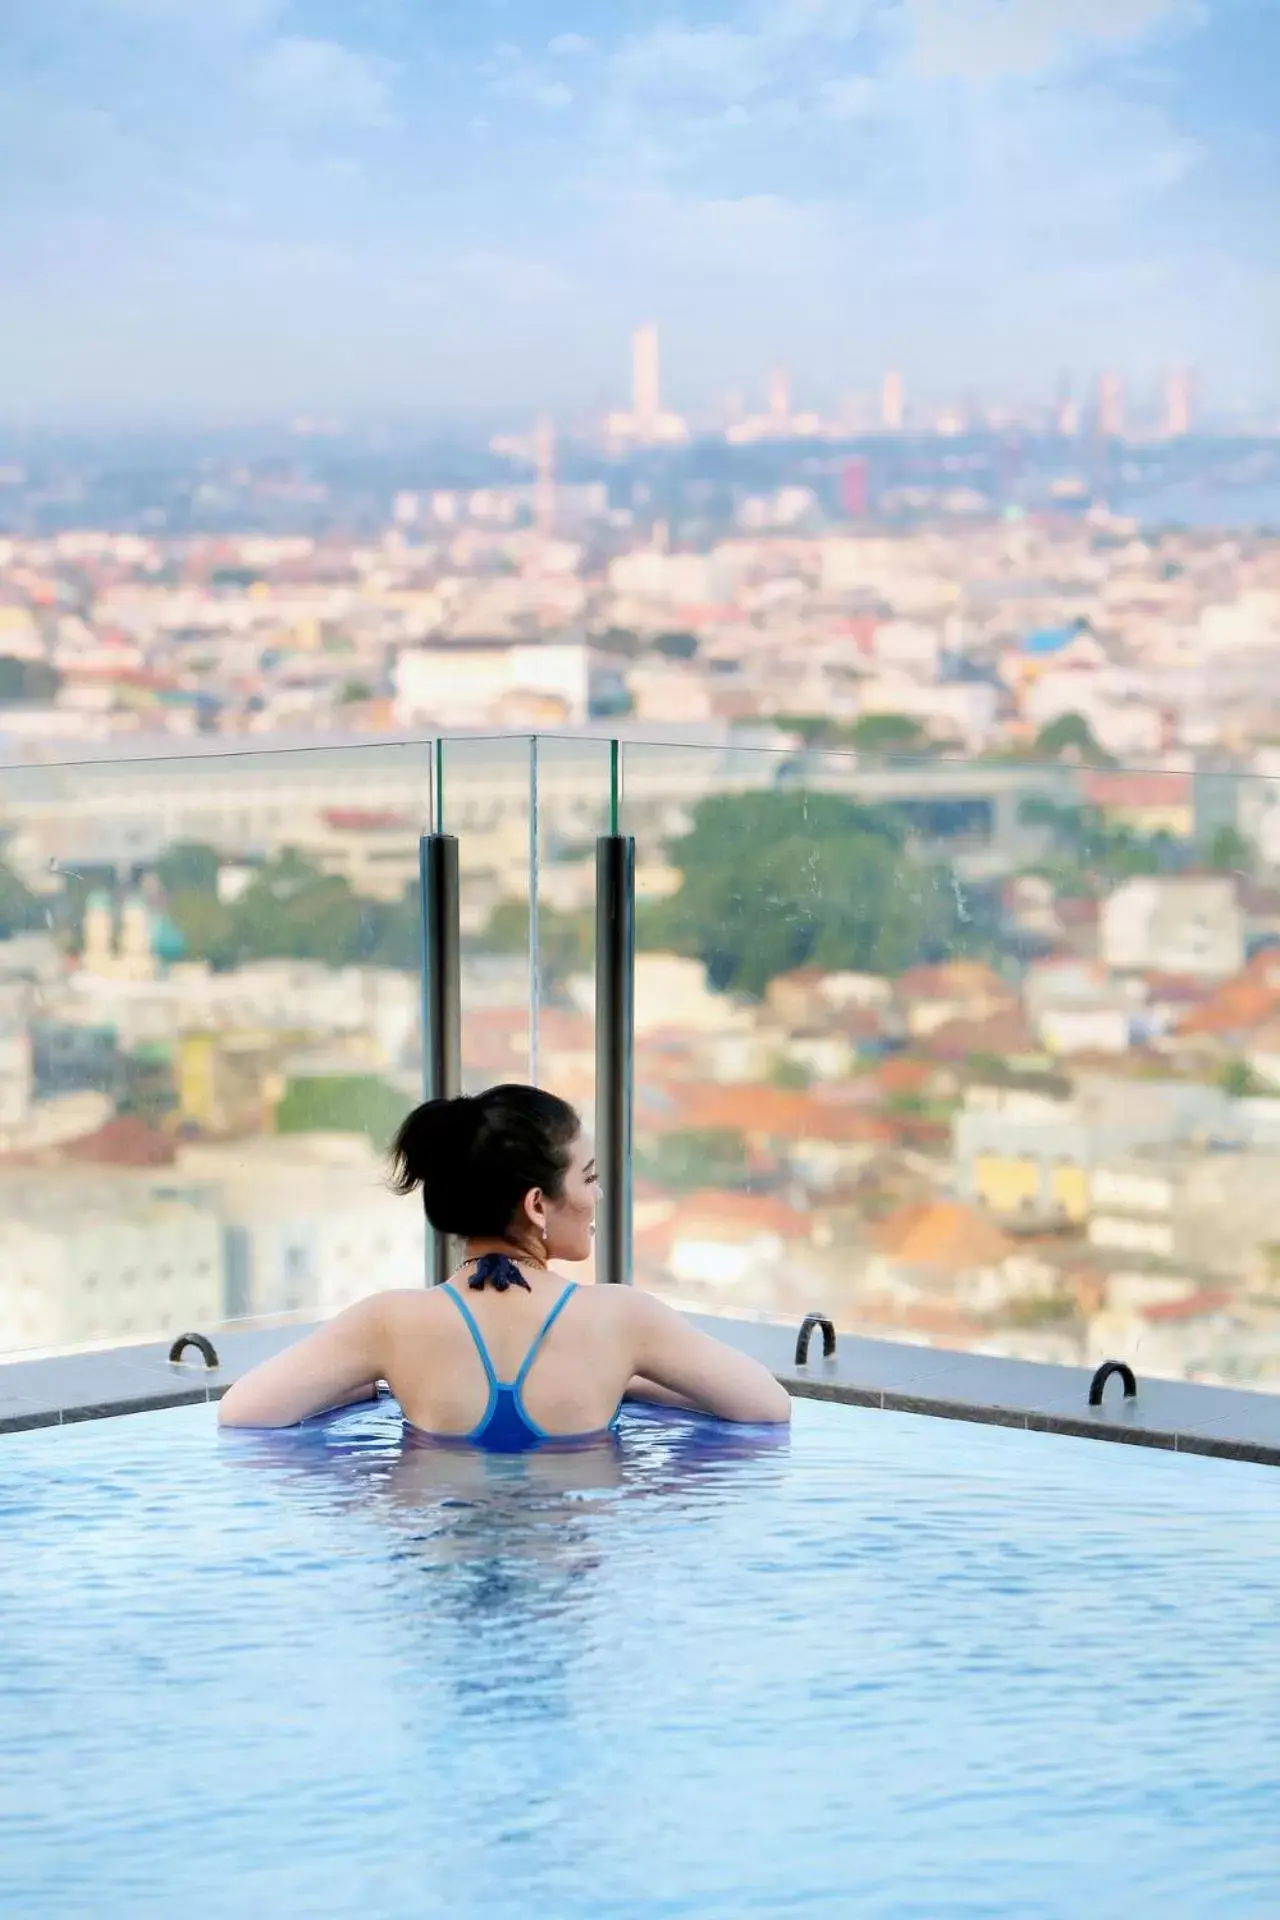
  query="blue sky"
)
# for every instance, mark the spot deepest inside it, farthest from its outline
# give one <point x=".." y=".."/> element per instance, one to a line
<point x="248" y="206"/>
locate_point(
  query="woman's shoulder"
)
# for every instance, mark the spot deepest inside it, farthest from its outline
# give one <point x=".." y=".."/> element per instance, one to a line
<point x="399" y="1306"/>
<point x="622" y="1306"/>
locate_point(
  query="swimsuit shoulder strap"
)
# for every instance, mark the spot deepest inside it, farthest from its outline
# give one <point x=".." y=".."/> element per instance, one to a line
<point x="475" y="1332"/>
<point x="541" y="1335"/>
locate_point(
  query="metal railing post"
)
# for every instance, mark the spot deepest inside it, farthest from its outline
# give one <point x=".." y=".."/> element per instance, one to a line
<point x="615" y="1051"/>
<point x="441" y="998"/>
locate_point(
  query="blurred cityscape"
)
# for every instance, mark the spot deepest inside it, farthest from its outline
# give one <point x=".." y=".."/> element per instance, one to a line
<point x="951" y="743"/>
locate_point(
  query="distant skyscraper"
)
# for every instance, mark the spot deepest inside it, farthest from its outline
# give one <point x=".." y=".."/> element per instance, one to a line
<point x="646" y="403"/>
<point x="1177" y="403"/>
<point x="544" y="488"/>
<point x="1110" y="407"/>
<point x="646" y="425"/>
<point x="779" y="400"/>
<point x="891" y="402"/>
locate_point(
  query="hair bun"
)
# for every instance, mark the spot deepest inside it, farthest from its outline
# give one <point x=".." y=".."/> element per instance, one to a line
<point x="436" y="1133"/>
<point x="477" y="1156"/>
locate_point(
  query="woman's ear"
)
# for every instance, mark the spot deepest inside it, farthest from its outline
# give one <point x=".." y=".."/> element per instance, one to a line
<point x="535" y="1206"/>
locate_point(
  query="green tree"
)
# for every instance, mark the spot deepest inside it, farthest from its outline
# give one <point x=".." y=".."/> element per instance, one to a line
<point x="206" y="927"/>
<point x="695" y="1157"/>
<point x="677" y="646"/>
<point x="355" y="691"/>
<point x="1239" y="1081"/>
<point x="26" y="681"/>
<point x="343" y="1103"/>
<point x="1229" y="851"/>
<point x="188" y="866"/>
<point x="772" y="881"/>
<point x="20" y="911"/>
<point x="291" y="910"/>
<point x="394" y="932"/>
<point x="1071" y="737"/>
<point x="813" y="728"/>
<point x="566" y="941"/>
<point x="886" y="733"/>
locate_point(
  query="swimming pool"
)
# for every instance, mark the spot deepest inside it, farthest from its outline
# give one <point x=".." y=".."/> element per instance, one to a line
<point x="888" y="1667"/>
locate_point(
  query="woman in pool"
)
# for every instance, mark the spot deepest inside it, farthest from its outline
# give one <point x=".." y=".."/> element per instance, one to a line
<point x="506" y="1356"/>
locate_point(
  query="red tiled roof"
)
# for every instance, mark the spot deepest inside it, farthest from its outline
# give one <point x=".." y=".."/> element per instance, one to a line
<point x="942" y="1233"/>
<point x="951" y="980"/>
<point x="904" y="1076"/>
<point x="1004" y="1033"/>
<point x="124" y="1141"/>
<point x="365" y="820"/>
<point x="1244" y="1002"/>
<point x="1136" y="788"/>
<point x="1209" y="1300"/>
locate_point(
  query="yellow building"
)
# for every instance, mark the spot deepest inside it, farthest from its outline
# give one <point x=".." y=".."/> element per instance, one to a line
<point x="1010" y="1184"/>
<point x="228" y="1083"/>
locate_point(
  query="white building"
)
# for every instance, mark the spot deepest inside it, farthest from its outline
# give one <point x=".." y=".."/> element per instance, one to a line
<point x="88" y="1257"/>
<point x="691" y="579"/>
<point x="311" y="1223"/>
<point x="1174" y="925"/>
<point x="470" y="683"/>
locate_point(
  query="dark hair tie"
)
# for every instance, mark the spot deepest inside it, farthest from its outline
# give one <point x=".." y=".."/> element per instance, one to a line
<point x="499" y="1271"/>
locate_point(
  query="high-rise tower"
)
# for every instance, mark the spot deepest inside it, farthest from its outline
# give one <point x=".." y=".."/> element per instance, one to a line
<point x="646" y="401"/>
<point x="1177" y="404"/>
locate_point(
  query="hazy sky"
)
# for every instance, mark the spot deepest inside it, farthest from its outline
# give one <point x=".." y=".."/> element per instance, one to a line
<point x="259" y="205"/>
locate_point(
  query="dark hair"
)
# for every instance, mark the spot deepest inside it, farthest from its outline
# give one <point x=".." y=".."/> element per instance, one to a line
<point x="476" y="1157"/>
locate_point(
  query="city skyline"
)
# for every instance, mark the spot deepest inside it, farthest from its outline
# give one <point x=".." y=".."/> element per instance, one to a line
<point x="264" y="204"/>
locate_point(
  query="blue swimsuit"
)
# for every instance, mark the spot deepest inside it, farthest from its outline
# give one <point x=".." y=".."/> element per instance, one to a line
<point x="506" y="1425"/>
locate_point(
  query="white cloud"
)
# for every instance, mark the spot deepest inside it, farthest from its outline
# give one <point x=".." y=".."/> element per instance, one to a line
<point x="570" y="46"/>
<point x="510" y="277"/>
<point x="714" y="63"/>
<point x="981" y="40"/>
<point x="511" y="75"/>
<point x="192" y="16"/>
<point x="848" y="99"/>
<point x="321" y="82"/>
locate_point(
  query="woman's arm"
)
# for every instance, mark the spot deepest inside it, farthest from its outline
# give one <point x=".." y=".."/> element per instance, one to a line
<point x="340" y="1362"/>
<point x="648" y="1390"/>
<point x="703" y="1373"/>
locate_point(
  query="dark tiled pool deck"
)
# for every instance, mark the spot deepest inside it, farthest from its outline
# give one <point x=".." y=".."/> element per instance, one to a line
<point x="1176" y="1416"/>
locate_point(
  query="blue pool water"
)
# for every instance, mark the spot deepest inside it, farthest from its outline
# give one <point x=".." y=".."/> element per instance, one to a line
<point x="890" y="1667"/>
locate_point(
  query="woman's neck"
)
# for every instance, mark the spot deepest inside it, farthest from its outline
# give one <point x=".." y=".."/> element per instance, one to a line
<point x="476" y="1250"/>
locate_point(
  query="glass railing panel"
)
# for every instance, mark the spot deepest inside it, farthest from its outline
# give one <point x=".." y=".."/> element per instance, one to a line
<point x="573" y="785"/>
<point x="573" y="809"/>
<point x="486" y="802"/>
<point x="971" y="1055"/>
<point x="208" y="1034"/>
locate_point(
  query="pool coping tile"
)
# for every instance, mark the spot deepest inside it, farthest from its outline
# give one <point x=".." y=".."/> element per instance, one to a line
<point x="1168" y="1415"/>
